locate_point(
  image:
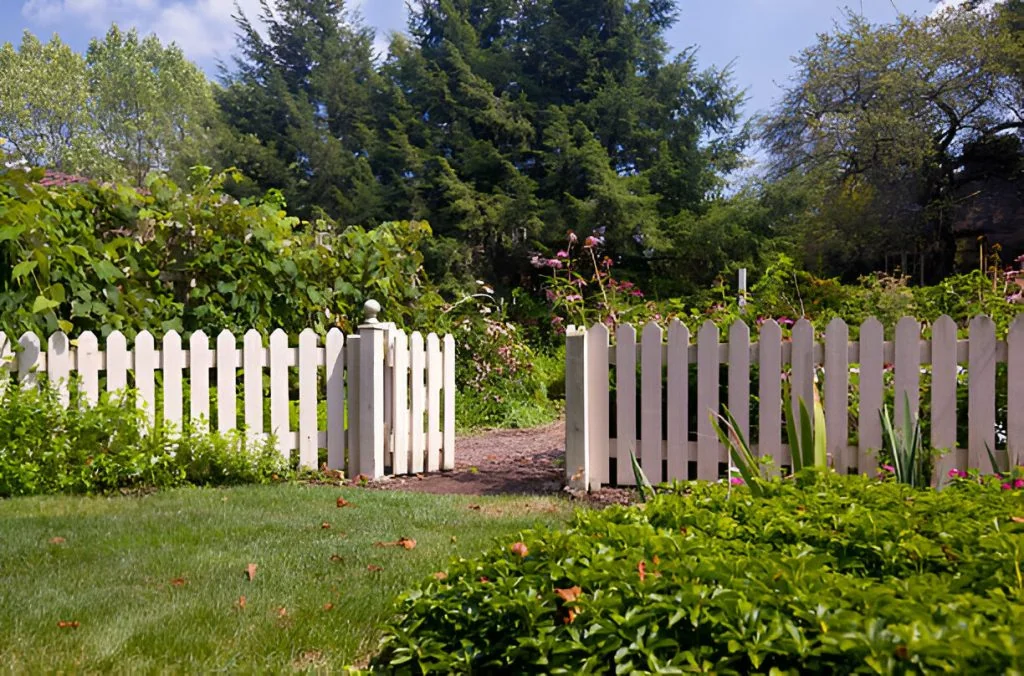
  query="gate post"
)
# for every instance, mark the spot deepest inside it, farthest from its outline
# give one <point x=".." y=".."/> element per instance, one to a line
<point x="577" y="424"/>
<point x="371" y="392"/>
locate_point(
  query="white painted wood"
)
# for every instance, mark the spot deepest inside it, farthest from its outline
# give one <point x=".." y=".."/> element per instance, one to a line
<point x="981" y="395"/>
<point x="145" y="375"/>
<point x="89" y="364"/>
<point x="678" y="394"/>
<point x="335" y="383"/>
<point x="708" y="451"/>
<point x="1015" y="392"/>
<point x="837" y="388"/>
<point x="117" y="362"/>
<point x="448" y="416"/>
<point x="872" y="364"/>
<point x="227" y="375"/>
<point x="598" y="405"/>
<point x="769" y="393"/>
<point x="400" y="404"/>
<point x="279" y="425"/>
<point x="352" y="348"/>
<point x="802" y="359"/>
<point x="199" y="362"/>
<point x="308" y="381"/>
<point x="625" y="403"/>
<point x="650" y="403"/>
<point x="577" y="427"/>
<point x="943" y="404"/>
<point x="434" y="380"/>
<point x="739" y="379"/>
<point x="371" y="400"/>
<point x="58" y="365"/>
<point x="417" y="401"/>
<point x="173" y="366"/>
<point x="252" y="383"/>
<point x="28" y="358"/>
<point x="908" y="369"/>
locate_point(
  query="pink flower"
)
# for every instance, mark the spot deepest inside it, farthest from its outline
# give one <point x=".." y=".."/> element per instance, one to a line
<point x="1007" y="487"/>
<point x="736" y="481"/>
<point x="551" y="296"/>
<point x="1018" y="483"/>
<point x="888" y="468"/>
<point x="572" y="237"/>
<point x="573" y="297"/>
<point x="590" y="242"/>
<point x="562" y="254"/>
<point x="537" y="261"/>
<point x="636" y="293"/>
<point x="556" y="320"/>
<point x="953" y="473"/>
<point x="519" y="549"/>
<point x="555" y="264"/>
<point x="607" y="262"/>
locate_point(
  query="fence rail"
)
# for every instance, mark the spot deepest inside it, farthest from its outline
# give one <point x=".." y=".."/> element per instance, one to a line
<point x="605" y="422"/>
<point x="388" y="398"/>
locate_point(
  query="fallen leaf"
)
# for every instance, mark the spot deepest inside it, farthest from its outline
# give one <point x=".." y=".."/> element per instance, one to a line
<point x="240" y="602"/>
<point x="342" y="502"/>
<point x="325" y="525"/>
<point x="476" y="507"/>
<point x="407" y="543"/>
<point x="642" y="569"/>
<point x="178" y="582"/>
<point x="328" y="606"/>
<point x="64" y="624"/>
<point x="441" y="575"/>
<point x="336" y="558"/>
<point x="569" y="595"/>
<point x="57" y="541"/>
<point x="454" y="539"/>
<point x="373" y="568"/>
<point x="570" y="615"/>
<point x="1015" y="519"/>
<point x="282" y="612"/>
<point x="250" y="571"/>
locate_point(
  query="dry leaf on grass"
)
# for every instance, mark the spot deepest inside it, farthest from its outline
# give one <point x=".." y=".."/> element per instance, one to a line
<point x="474" y="507"/>
<point x="1017" y="519"/>
<point x="178" y="582"/>
<point x="57" y="541"/>
<point x="250" y="571"/>
<point x="336" y="558"/>
<point x="441" y="575"/>
<point x="328" y="606"/>
<point x="240" y="602"/>
<point x="282" y="612"/>
<point x="68" y="624"/>
<point x="373" y="568"/>
<point x="342" y="502"/>
<point x="325" y="526"/>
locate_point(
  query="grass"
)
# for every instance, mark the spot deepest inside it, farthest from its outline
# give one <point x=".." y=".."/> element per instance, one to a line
<point x="155" y="583"/>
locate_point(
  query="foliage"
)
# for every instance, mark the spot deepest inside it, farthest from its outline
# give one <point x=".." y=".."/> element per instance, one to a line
<point x="105" y="258"/>
<point x="47" y="448"/>
<point x="828" y="574"/>
<point x="128" y="107"/>
<point x="643" y="484"/>
<point x="807" y="447"/>
<point x="904" y="446"/>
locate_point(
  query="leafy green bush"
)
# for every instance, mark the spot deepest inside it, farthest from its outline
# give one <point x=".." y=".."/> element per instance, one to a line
<point x="827" y="574"/>
<point x="47" y="448"/>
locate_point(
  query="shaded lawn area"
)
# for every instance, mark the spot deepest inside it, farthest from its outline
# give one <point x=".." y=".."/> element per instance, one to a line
<point x="155" y="583"/>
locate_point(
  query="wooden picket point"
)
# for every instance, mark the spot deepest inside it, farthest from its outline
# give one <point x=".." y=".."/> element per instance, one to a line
<point x="226" y="376"/>
<point x="1015" y="392"/>
<point x="872" y="369"/>
<point x="769" y="393"/>
<point x="577" y="426"/>
<point x="598" y="404"/>
<point x="981" y="398"/>
<point x="943" y="402"/>
<point x="252" y="383"/>
<point x="352" y="351"/>
<point x="417" y="401"/>
<point x="173" y="367"/>
<point x="650" y="403"/>
<point x="117" y="362"/>
<point x="625" y="403"/>
<point x="335" y="384"/>
<point x="837" y="383"/>
<point x="434" y="380"/>
<point x="308" y="438"/>
<point x="31" y="350"/>
<point x="448" y="444"/>
<point x="708" y="452"/>
<point x="279" y="425"/>
<point x="145" y="375"/>
<point x="89" y="366"/>
<point x="199" y="364"/>
<point x="678" y="393"/>
<point x="400" y="404"/>
<point x="58" y="365"/>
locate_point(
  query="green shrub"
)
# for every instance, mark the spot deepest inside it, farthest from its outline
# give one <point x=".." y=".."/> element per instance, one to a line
<point x="47" y="448"/>
<point x="829" y="574"/>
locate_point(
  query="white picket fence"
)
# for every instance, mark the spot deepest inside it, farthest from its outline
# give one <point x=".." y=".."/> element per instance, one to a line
<point x="591" y="359"/>
<point x="396" y="392"/>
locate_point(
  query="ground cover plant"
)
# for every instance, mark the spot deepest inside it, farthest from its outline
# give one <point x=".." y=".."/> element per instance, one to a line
<point x="161" y="582"/>
<point x="824" y="574"/>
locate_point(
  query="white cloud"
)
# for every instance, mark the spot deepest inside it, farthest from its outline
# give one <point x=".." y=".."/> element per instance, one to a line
<point x="945" y="5"/>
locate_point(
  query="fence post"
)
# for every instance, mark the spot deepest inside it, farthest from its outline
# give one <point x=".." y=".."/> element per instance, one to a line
<point x="371" y="392"/>
<point x="577" y="427"/>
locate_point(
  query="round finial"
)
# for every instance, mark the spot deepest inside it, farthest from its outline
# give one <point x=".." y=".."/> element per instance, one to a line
<point x="371" y="309"/>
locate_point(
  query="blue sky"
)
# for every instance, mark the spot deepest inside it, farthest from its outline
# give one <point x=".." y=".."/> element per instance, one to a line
<point x="757" y="36"/>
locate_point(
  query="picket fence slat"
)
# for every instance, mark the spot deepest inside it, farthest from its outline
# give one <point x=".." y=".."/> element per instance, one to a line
<point x="650" y="403"/>
<point x="625" y="403"/>
<point x="377" y="410"/>
<point x="864" y="368"/>
<point x="678" y="393"/>
<point x="708" y="453"/>
<point x="944" y="385"/>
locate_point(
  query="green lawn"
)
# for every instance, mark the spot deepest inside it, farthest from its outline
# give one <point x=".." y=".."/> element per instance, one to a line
<point x="155" y="583"/>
